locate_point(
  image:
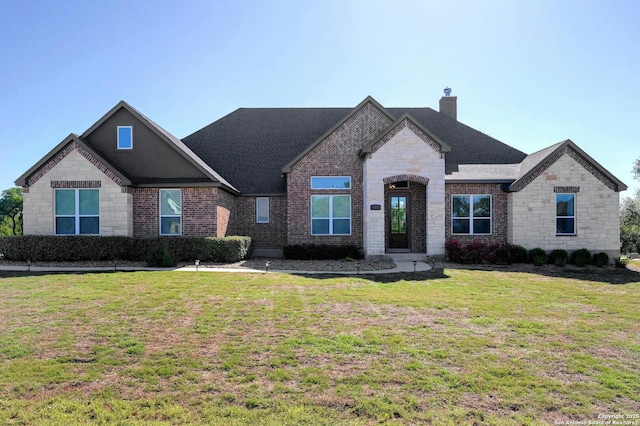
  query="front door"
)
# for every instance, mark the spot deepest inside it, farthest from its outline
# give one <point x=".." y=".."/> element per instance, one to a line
<point x="399" y="235"/>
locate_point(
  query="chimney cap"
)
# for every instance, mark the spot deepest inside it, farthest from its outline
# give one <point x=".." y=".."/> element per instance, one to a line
<point x="447" y="91"/>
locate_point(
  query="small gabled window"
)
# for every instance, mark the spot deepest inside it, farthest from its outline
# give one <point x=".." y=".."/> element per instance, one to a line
<point x="125" y="137"/>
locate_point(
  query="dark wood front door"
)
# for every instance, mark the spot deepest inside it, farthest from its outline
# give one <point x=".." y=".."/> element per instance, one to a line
<point x="399" y="220"/>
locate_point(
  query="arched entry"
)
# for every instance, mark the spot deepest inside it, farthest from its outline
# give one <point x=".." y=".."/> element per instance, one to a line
<point x="406" y="213"/>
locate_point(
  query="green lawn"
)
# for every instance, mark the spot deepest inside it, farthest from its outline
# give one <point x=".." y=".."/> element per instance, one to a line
<point x="457" y="346"/>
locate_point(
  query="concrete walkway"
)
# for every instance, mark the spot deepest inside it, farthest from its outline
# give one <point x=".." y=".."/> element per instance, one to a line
<point x="403" y="264"/>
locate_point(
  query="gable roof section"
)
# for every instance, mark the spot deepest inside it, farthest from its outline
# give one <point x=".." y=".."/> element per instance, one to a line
<point x="390" y="132"/>
<point x="250" y="146"/>
<point x="468" y="145"/>
<point x="60" y="151"/>
<point x="167" y="137"/>
<point x="535" y="164"/>
<point x="368" y="99"/>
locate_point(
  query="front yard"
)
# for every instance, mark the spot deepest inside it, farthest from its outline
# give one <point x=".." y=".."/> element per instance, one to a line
<point x="458" y="346"/>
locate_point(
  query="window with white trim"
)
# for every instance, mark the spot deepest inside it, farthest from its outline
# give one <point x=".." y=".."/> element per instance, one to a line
<point x="170" y="212"/>
<point x="331" y="182"/>
<point x="565" y="214"/>
<point x="77" y="212"/>
<point x="330" y="214"/>
<point x="262" y="209"/>
<point x="471" y="214"/>
<point x="125" y="137"/>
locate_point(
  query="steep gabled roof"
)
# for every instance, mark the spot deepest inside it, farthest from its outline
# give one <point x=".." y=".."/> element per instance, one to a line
<point x="252" y="146"/>
<point x="72" y="138"/>
<point x="539" y="161"/>
<point x="167" y="137"/>
<point x="367" y="100"/>
<point x="443" y="147"/>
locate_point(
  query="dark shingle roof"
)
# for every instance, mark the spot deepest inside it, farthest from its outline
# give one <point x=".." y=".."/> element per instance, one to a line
<point x="250" y="146"/>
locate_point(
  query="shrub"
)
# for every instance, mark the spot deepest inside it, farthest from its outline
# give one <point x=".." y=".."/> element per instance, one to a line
<point x="455" y="251"/>
<point x="321" y="252"/>
<point x="519" y="254"/>
<point x="538" y="256"/>
<point x="558" y="257"/>
<point x="621" y="263"/>
<point x="93" y="248"/>
<point x="581" y="257"/>
<point x="600" y="259"/>
<point x="159" y="257"/>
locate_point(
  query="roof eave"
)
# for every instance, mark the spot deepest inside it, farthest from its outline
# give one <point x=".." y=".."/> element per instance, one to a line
<point x="22" y="180"/>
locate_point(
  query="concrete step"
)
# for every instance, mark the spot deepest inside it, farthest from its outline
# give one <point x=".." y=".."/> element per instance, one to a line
<point x="407" y="257"/>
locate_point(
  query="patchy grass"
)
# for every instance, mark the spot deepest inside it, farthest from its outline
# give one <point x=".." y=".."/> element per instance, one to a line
<point x="458" y="346"/>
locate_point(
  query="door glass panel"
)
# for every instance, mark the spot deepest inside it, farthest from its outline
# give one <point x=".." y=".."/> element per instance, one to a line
<point x="398" y="215"/>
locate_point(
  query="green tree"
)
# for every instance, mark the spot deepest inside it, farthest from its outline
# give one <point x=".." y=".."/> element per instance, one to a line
<point x="630" y="218"/>
<point x="11" y="211"/>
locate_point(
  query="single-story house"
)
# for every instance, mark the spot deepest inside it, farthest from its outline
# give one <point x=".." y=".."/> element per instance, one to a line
<point x="383" y="179"/>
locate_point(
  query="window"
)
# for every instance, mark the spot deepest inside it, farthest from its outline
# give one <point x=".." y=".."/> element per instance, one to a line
<point x="125" y="137"/>
<point x="471" y="214"/>
<point x="331" y="214"/>
<point x="262" y="209"/>
<point x="331" y="182"/>
<point x="170" y="212"/>
<point x="77" y="211"/>
<point x="565" y="214"/>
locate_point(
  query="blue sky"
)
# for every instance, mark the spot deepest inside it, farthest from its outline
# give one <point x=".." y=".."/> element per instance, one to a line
<point x="529" y="73"/>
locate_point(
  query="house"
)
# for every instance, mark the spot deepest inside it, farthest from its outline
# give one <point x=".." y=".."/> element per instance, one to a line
<point x="383" y="179"/>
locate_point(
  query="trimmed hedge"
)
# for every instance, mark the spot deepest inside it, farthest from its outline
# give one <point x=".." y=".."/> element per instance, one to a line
<point x="40" y="248"/>
<point x="321" y="252"/>
<point x="481" y="252"/>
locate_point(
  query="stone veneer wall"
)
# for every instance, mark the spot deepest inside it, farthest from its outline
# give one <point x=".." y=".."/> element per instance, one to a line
<point x="272" y="235"/>
<point x="532" y="210"/>
<point x="74" y="169"/>
<point x="206" y="212"/>
<point x="337" y="155"/>
<point x="405" y="151"/>
<point x="417" y="215"/>
<point x="499" y="210"/>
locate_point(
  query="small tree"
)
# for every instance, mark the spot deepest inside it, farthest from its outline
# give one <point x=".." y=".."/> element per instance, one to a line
<point x="11" y="209"/>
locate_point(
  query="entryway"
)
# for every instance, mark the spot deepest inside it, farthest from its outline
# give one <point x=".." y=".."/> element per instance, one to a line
<point x="399" y="221"/>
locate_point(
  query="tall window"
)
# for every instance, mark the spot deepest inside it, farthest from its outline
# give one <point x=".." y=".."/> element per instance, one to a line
<point x="565" y="214"/>
<point x="262" y="209"/>
<point x="331" y="214"/>
<point x="170" y="212"/>
<point x="471" y="214"/>
<point x="77" y="211"/>
<point x="125" y="137"/>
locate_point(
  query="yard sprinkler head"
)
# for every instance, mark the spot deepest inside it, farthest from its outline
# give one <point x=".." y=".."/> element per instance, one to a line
<point x="266" y="266"/>
<point x="197" y="263"/>
<point x="414" y="265"/>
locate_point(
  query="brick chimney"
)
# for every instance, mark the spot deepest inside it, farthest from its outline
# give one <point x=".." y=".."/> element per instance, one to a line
<point x="448" y="105"/>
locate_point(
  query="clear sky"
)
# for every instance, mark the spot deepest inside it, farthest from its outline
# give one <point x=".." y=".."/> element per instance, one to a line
<point x="529" y="73"/>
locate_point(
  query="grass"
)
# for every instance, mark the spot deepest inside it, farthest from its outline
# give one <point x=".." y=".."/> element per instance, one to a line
<point x="458" y="346"/>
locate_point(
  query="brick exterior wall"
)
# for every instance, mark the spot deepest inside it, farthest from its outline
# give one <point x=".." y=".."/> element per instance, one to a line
<point x="265" y="235"/>
<point x="532" y="210"/>
<point x="499" y="210"/>
<point x="72" y="169"/>
<point x="206" y="212"/>
<point x="417" y="215"/>
<point x="337" y="155"/>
